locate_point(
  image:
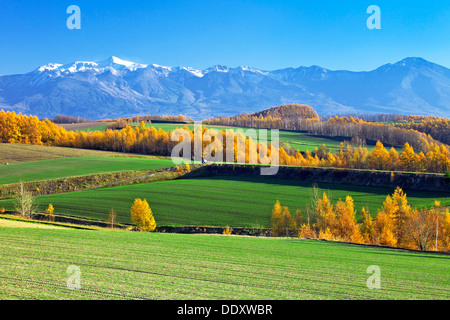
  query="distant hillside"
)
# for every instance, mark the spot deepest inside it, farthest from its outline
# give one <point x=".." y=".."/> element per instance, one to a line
<point x="288" y="112"/>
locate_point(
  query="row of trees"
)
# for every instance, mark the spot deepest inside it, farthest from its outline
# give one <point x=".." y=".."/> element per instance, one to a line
<point x="151" y="141"/>
<point x="396" y="224"/>
<point x="436" y="160"/>
<point x="17" y="128"/>
<point x="148" y="118"/>
<point x="379" y="117"/>
<point x="420" y="135"/>
<point x="438" y="128"/>
<point x="69" y="119"/>
<point x="140" y="139"/>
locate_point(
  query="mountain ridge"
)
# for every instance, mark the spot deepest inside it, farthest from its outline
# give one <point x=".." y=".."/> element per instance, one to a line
<point x="116" y="87"/>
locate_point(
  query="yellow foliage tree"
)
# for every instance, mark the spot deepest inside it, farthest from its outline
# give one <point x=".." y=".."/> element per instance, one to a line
<point x="282" y="222"/>
<point x="49" y="213"/>
<point x="366" y="226"/>
<point x="306" y="231"/>
<point x="326" y="235"/>
<point x="142" y="215"/>
<point x="325" y="213"/>
<point x="379" y="157"/>
<point x="346" y="227"/>
<point x="383" y="230"/>
<point x="399" y="214"/>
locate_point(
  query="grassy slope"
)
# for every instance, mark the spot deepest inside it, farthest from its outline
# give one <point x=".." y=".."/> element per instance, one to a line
<point x="14" y="153"/>
<point x="75" y="166"/>
<point x="222" y="201"/>
<point x="128" y="265"/>
<point x="300" y="140"/>
<point x="10" y="223"/>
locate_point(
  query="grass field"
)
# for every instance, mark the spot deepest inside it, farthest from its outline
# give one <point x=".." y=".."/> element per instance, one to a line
<point x="221" y="201"/>
<point x="299" y="140"/>
<point x="86" y="126"/>
<point x="129" y="265"/>
<point x="75" y="166"/>
<point x="9" y="223"/>
<point x="13" y="153"/>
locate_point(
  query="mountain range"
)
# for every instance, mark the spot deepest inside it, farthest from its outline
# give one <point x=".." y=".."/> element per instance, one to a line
<point x="114" y="88"/>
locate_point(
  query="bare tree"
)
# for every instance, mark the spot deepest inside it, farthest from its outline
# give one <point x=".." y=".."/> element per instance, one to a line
<point x="112" y="218"/>
<point x="24" y="203"/>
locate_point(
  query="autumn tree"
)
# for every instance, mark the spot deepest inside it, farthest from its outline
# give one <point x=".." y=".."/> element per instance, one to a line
<point x="142" y="216"/>
<point x="49" y="213"/>
<point x="399" y="213"/>
<point x="379" y="157"/>
<point x="306" y="231"/>
<point x="276" y="226"/>
<point x="326" y="217"/>
<point x="384" y="225"/>
<point x="444" y="231"/>
<point x="367" y="225"/>
<point x="420" y="228"/>
<point x="408" y="159"/>
<point x="283" y="224"/>
<point x="346" y="227"/>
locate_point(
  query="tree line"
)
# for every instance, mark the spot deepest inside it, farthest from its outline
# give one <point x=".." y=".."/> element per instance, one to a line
<point x="302" y="118"/>
<point x="438" y="128"/>
<point x="396" y="224"/>
<point x="140" y="139"/>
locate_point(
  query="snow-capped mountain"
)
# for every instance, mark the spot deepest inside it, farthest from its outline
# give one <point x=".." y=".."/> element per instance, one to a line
<point x="116" y="87"/>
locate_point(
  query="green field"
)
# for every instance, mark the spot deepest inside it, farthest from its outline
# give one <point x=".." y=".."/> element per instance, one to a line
<point x="13" y="153"/>
<point x="75" y="166"/>
<point x="217" y="201"/>
<point x="299" y="140"/>
<point x="129" y="265"/>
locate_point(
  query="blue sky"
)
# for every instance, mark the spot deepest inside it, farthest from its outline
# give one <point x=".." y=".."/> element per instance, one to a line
<point x="263" y="34"/>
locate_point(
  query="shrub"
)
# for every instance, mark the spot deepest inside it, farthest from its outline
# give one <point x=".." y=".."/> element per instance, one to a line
<point x="227" y="231"/>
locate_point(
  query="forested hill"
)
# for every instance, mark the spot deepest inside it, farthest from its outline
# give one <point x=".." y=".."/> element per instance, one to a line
<point x="288" y="112"/>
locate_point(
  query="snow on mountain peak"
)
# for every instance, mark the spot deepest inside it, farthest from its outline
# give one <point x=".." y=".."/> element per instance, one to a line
<point x="217" y="68"/>
<point x="78" y="66"/>
<point x="117" y="63"/>
<point x="251" y="69"/>
<point x="49" y="67"/>
<point x="112" y="64"/>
